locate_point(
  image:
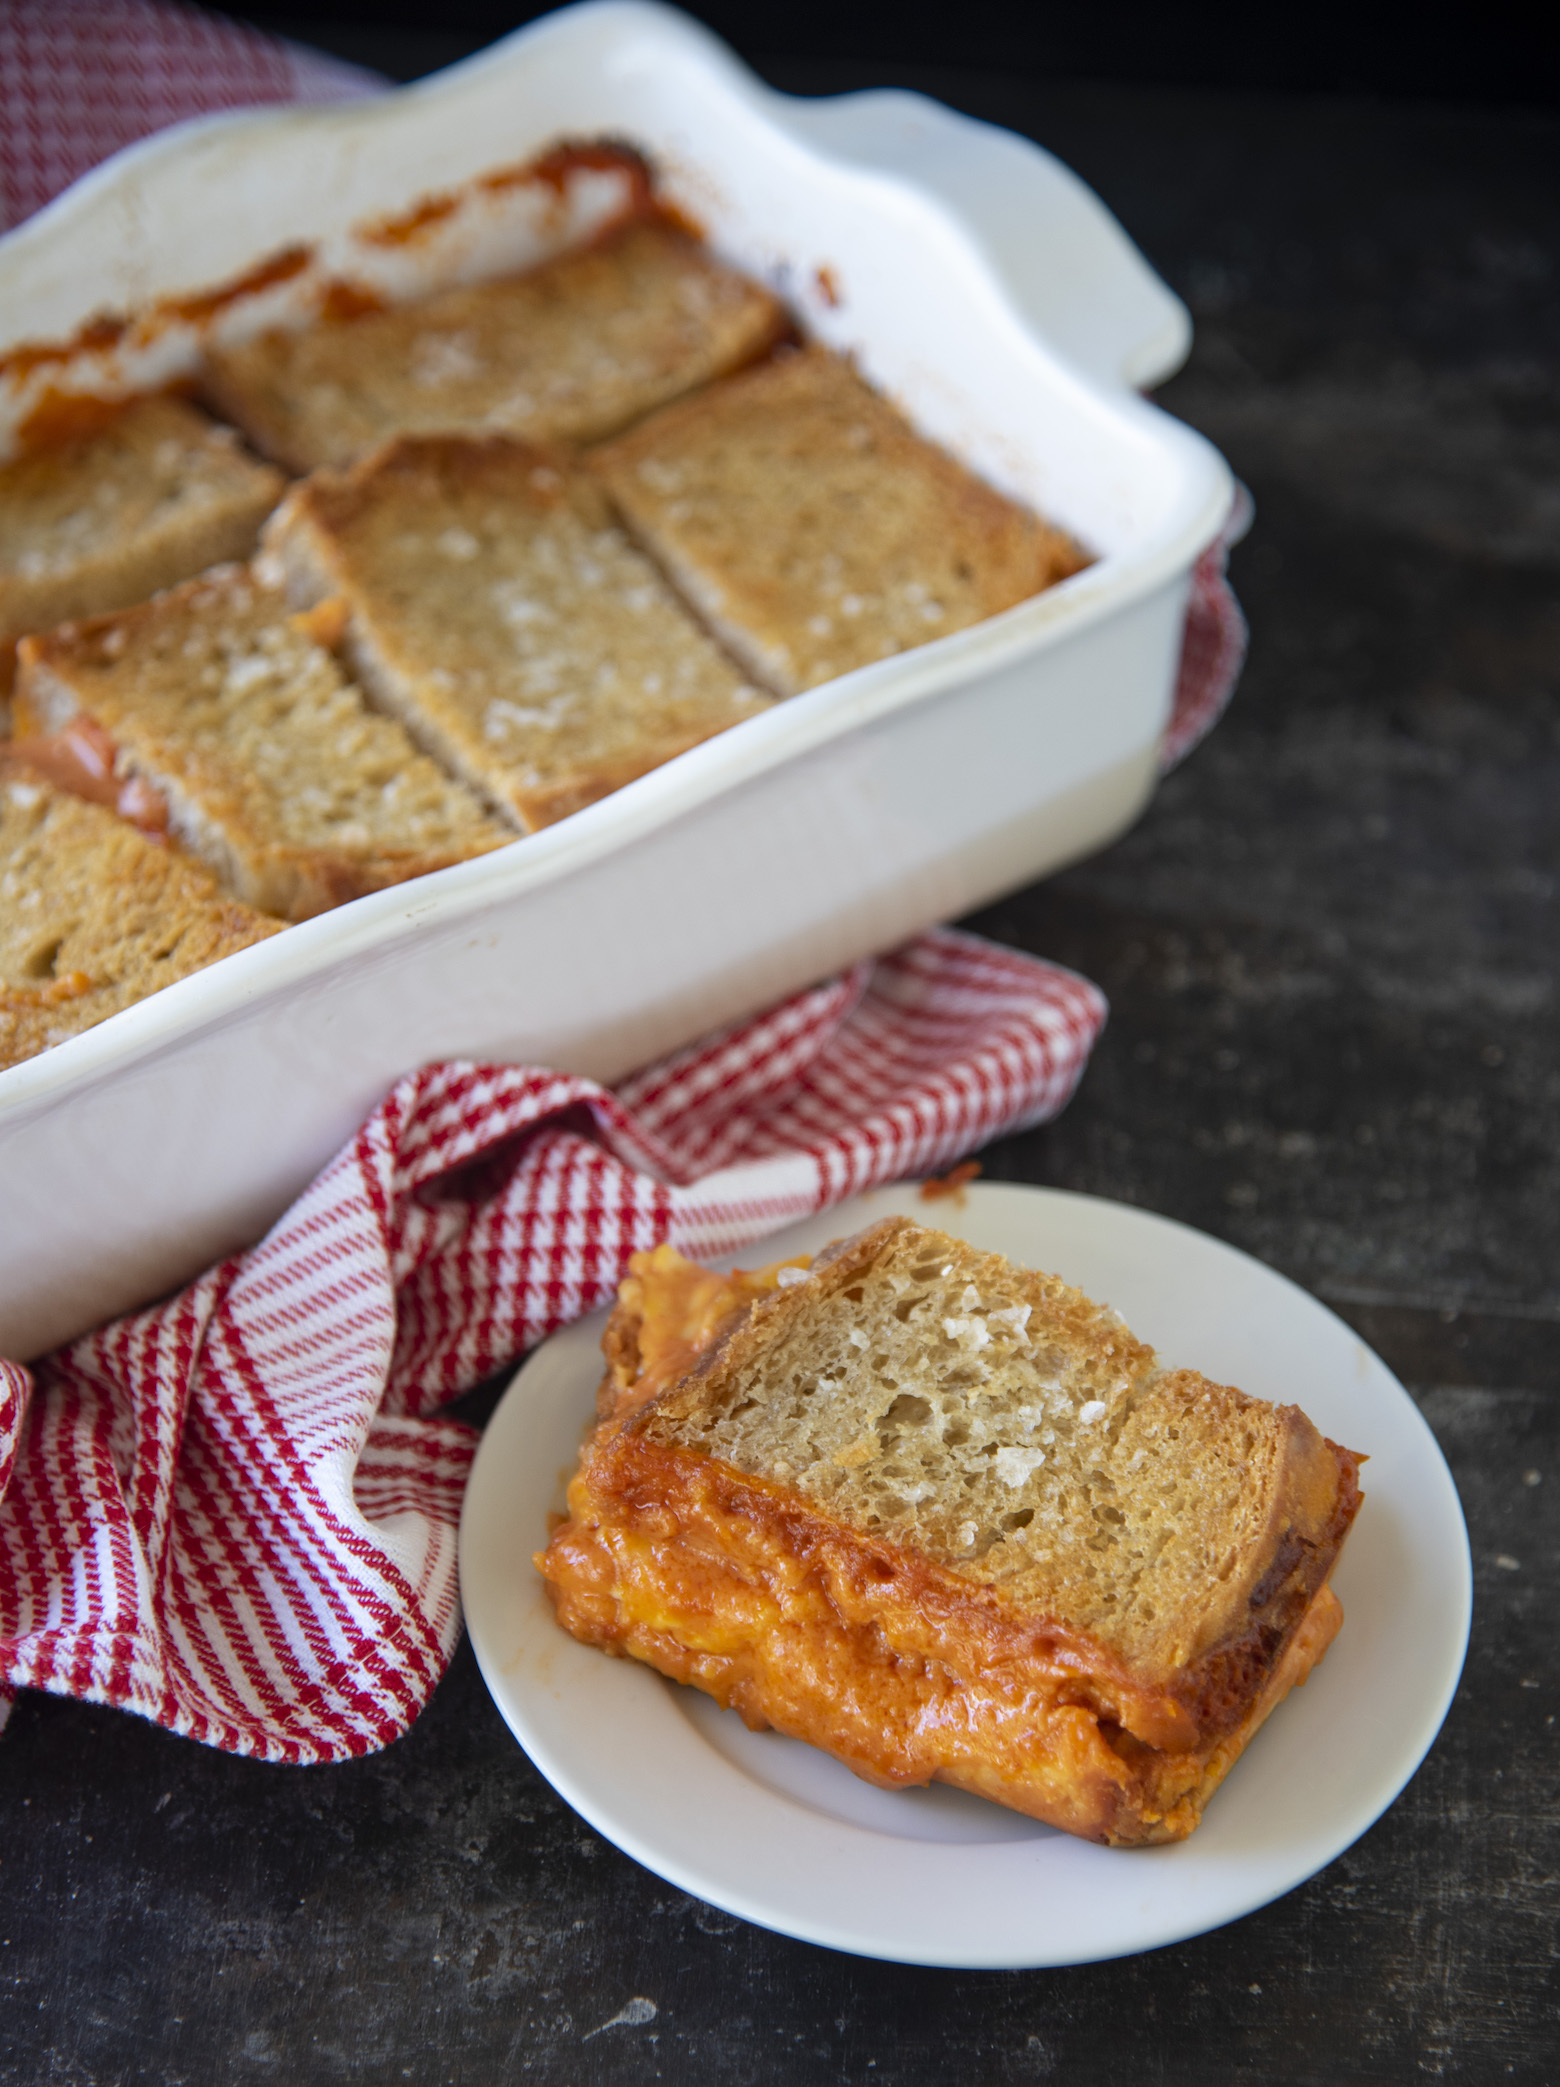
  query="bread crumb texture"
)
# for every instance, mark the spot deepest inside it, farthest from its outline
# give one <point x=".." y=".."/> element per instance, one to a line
<point x="1000" y="1424"/>
<point x="814" y="529"/>
<point x="103" y="520"/>
<point x="93" y="915"/>
<point x="570" y="351"/>
<point x="500" y="612"/>
<point x="949" y="1520"/>
<point x="275" y="770"/>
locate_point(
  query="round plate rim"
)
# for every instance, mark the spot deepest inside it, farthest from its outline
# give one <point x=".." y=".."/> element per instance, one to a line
<point x="691" y="1871"/>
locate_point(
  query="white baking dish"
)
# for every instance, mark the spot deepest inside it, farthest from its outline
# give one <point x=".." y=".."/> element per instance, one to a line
<point x="975" y="280"/>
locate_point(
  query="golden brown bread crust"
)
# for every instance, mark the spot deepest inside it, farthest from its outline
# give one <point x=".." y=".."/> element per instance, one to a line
<point x="811" y="526"/>
<point x="94" y="915"/>
<point x="1162" y="1571"/>
<point x="566" y="353"/>
<point x="905" y="1660"/>
<point x="496" y="609"/>
<point x="274" y="770"/>
<point x="102" y="520"/>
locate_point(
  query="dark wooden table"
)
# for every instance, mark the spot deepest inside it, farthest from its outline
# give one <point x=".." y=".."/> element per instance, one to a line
<point x="1330" y="948"/>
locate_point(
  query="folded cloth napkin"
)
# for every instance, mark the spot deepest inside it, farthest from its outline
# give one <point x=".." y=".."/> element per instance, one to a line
<point x="234" y="1512"/>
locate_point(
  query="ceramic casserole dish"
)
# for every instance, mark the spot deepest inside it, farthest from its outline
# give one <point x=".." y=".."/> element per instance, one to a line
<point x="976" y="281"/>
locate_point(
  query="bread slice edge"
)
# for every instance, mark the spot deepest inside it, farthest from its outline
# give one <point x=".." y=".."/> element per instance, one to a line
<point x="1146" y="1747"/>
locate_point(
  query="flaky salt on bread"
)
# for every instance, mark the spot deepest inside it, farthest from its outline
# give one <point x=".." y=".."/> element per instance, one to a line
<point x="947" y="1518"/>
<point x="235" y="718"/>
<point x="154" y="495"/>
<point x="814" y="529"/>
<point x="496" y="608"/>
<point x="567" y="353"/>
<point x="94" y="915"/>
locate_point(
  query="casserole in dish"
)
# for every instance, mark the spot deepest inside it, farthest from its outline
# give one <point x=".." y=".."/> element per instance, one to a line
<point x="973" y="280"/>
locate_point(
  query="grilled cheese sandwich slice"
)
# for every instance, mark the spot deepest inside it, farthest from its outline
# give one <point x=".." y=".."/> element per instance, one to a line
<point x="813" y="529"/>
<point x="152" y="495"/>
<point x="494" y="606"/>
<point x="569" y="352"/>
<point x="233" y="718"/>
<point x="948" y="1519"/>
<point x="94" y="915"/>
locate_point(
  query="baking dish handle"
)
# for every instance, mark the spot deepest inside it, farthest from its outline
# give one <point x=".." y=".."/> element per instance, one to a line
<point x="1065" y="261"/>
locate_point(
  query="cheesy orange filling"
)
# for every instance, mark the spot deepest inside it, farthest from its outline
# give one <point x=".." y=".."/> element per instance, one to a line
<point x="900" y="1669"/>
<point x="681" y="1310"/>
<point x="84" y="759"/>
<point x="83" y="756"/>
<point x="70" y="985"/>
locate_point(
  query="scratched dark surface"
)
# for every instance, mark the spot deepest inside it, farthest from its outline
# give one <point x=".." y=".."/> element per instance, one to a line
<point x="1330" y="948"/>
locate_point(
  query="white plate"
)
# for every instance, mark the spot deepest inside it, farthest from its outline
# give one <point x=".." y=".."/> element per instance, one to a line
<point x="781" y="1835"/>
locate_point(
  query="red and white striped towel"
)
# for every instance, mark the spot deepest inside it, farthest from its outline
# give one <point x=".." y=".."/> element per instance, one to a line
<point x="1213" y="642"/>
<point x="235" y="1513"/>
<point x="80" y="79"/>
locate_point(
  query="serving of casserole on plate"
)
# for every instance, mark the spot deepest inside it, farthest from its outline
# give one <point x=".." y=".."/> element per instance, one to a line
<point x="780" y="1833"/>
<point x="972" y="284"/>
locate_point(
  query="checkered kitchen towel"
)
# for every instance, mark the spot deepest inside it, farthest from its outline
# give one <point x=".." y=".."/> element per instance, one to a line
<point x="79" y="79"/>
<point x="235" y="1513"/>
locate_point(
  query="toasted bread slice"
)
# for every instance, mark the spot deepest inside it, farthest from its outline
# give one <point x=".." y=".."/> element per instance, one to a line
<point x="947" y="1518"/>
<point x="94" y="915"/>
<point x="271" y="767"/>
<point x="814" y="529"/>
<point x="496" y="608"/>
<point x="153" y="496"/>
<point x="567" y="353"/>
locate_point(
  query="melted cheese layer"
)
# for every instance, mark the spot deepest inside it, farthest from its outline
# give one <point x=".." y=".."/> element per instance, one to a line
<point x="678" y="1310"/>
<point x="897" y="1667"/>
